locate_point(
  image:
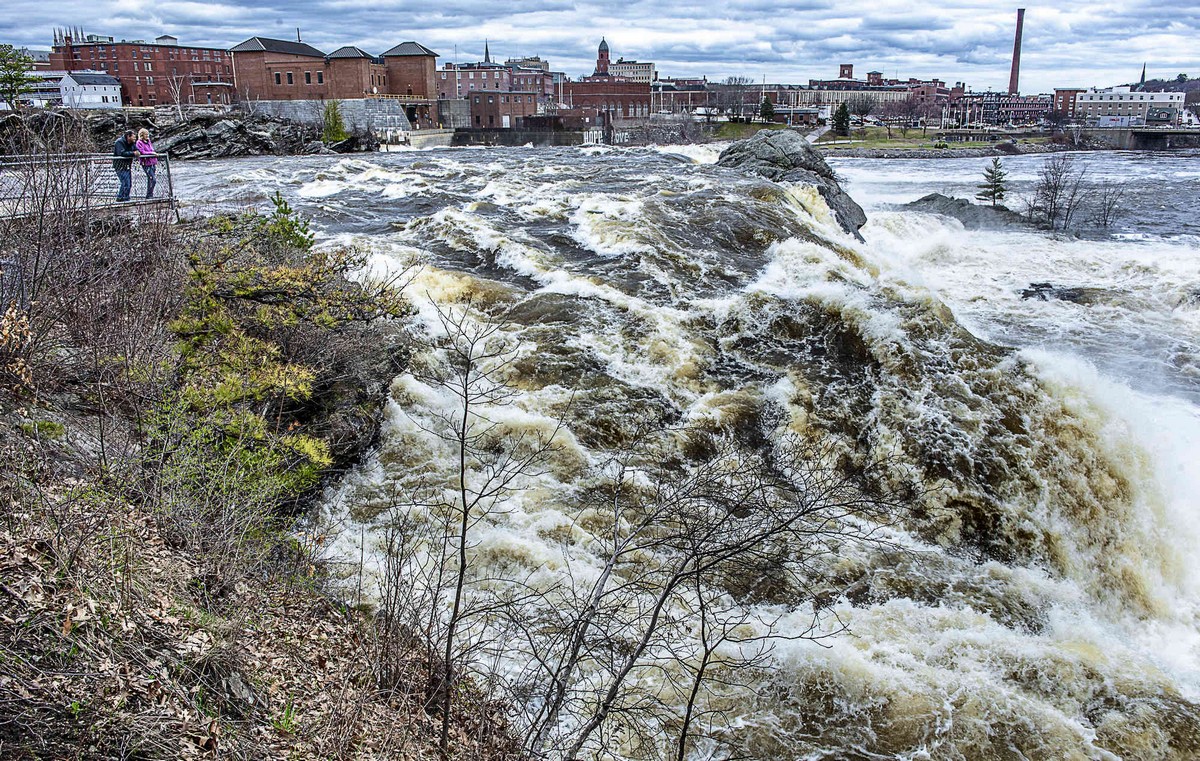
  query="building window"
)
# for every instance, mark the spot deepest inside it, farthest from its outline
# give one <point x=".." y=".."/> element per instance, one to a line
<point x="320" y="77"/>
<point x="290" y="81"/>
<point x="490" y="99"/>
<point x="149" y="80"/>
<point x="476" y="98"/>
<point x="308" y="77"/>
<point x="147" y="66"/>
<point x="477" y="119"/>
<point x="277" y="78"/>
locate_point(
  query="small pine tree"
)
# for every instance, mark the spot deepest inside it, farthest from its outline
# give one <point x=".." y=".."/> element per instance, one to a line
<point x="841" y="121"/>
<point x="334" y="129"/>
<point x="766" y="110"/>
<point x="15" y="76"/>
<point x="993" y="188"/>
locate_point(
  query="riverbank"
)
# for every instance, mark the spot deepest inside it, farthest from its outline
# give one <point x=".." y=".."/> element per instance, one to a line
<point x="1004" y="149"/>
<point x="170" y="404"/>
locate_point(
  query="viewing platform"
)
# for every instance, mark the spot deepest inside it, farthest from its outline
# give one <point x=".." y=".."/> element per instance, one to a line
<point x="79" y="184"/>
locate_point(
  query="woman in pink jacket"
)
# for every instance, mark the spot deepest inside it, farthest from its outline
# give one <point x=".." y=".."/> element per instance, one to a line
<point x="145" y="150"/>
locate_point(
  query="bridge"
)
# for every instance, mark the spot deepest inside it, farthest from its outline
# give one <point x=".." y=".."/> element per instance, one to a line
<point x="1145" y="138"/>
<point x="34" y="186"/>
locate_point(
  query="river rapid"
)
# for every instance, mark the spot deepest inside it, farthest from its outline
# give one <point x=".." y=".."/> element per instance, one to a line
<point x="1035" y="594"/>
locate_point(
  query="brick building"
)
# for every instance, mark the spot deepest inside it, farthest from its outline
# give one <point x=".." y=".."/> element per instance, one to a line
<point x="604" y="97"/>
<point x="156" y="73"/>
<point x="272" y="71"/>
<point x="459" y="80"/>
<point x="411" y="70"/>
<point x="268" y="69"/>
<point x="1064" y="100"/>
<point x="615" y="97"/>
<point x="502" y="110"/>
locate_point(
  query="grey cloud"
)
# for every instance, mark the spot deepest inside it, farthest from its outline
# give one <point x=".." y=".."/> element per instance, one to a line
<point x="783" y="40"/>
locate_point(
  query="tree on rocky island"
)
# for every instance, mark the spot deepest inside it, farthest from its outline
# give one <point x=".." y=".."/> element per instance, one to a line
<point x="766" y="110"/>
<point x="994" y="187"/>
<point x="841" y="121"/>
<point x="15" y="76"/>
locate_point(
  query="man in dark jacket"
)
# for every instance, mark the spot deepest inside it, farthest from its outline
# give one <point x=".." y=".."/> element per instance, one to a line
<point x="123" y="153"/>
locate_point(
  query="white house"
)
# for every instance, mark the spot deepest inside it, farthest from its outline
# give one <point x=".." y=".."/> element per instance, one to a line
<point x="82" y="89"/>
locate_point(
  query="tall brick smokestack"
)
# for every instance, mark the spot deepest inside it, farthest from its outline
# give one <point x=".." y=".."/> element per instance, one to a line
<point x="1016" y="64"/>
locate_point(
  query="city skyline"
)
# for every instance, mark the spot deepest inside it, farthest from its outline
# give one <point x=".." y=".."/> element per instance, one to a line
<point x="1072" y="44"/>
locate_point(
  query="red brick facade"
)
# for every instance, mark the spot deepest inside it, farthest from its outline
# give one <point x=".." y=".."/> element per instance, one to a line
<point x="1064" y="100"/>
<point x="263" y="75"/>
<point x="268" y="69"/>
<point x="152" y="74"/>
<point x="502" y="110"/>
<point x="619" y="98"/>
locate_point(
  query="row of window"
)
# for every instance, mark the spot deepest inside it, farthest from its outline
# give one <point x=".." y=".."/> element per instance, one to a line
<point x="308" y="78"/>
<point x="471" y="75"/>
<point x="206" y="52"/>
<point x="505" y="98"/>
<point x="1178" y="96"/>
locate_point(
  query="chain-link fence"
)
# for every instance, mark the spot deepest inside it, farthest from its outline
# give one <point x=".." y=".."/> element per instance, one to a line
<point x="54" y="183"/>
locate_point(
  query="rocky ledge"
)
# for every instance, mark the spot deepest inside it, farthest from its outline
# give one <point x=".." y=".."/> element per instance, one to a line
<point x="973" y="216"/>
<point x="785" y="156"/>
<point x="199" y="134"/>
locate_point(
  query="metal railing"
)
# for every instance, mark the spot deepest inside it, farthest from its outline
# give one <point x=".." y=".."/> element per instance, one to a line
<point x="54" y="183"/>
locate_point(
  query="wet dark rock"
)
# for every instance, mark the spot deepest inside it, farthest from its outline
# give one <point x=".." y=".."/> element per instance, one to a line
<point x="316" y="147"/>
<point x="1077" y="295"/>
<point x="359" y="142"/>
<point x="785" y="156"/>
<point x="972" y="216"/>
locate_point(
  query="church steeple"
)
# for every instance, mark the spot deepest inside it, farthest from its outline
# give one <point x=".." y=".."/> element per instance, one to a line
<point x="487" y="54"/>
<point x="1142" y="85"/>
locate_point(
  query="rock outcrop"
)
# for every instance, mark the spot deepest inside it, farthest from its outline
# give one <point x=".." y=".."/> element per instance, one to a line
<point x="203" y="134"/>
<point x="972" y="216"/>
<point x="785" y="156"/>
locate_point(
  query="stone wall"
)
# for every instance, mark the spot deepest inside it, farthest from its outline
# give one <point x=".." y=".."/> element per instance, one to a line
<point x="380" y="114"/>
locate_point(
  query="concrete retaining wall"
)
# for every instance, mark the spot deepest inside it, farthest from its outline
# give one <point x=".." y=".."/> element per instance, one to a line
<point x="517" y="137"/>
<point x="379" y="114"/>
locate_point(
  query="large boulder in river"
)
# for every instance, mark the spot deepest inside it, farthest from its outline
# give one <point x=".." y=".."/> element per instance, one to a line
<point x="973" y="216"/>
<point x="785" y="156"/>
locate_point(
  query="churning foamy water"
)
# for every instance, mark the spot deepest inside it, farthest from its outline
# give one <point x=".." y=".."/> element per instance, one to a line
<point x="1037" y="595"/>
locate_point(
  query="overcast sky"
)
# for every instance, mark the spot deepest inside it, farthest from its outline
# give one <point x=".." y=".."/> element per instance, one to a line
<point x="1073" y="43"/>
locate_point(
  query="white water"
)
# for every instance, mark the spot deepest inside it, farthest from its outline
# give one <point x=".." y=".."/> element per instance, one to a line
<point x="1068" y="626"/>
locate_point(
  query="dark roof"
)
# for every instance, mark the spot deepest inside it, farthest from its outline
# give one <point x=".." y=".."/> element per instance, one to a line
<point x="276" y="46"/>
<point x="603" y="44"/>
<point x="93" y="79"/>
<point x="349" y="51"/>
<point x="410" y="48"/>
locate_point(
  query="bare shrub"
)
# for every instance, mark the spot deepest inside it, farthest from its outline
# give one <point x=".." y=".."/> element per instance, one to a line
<point x="1108" y="203"/>
<point x="1059" y="192"/>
